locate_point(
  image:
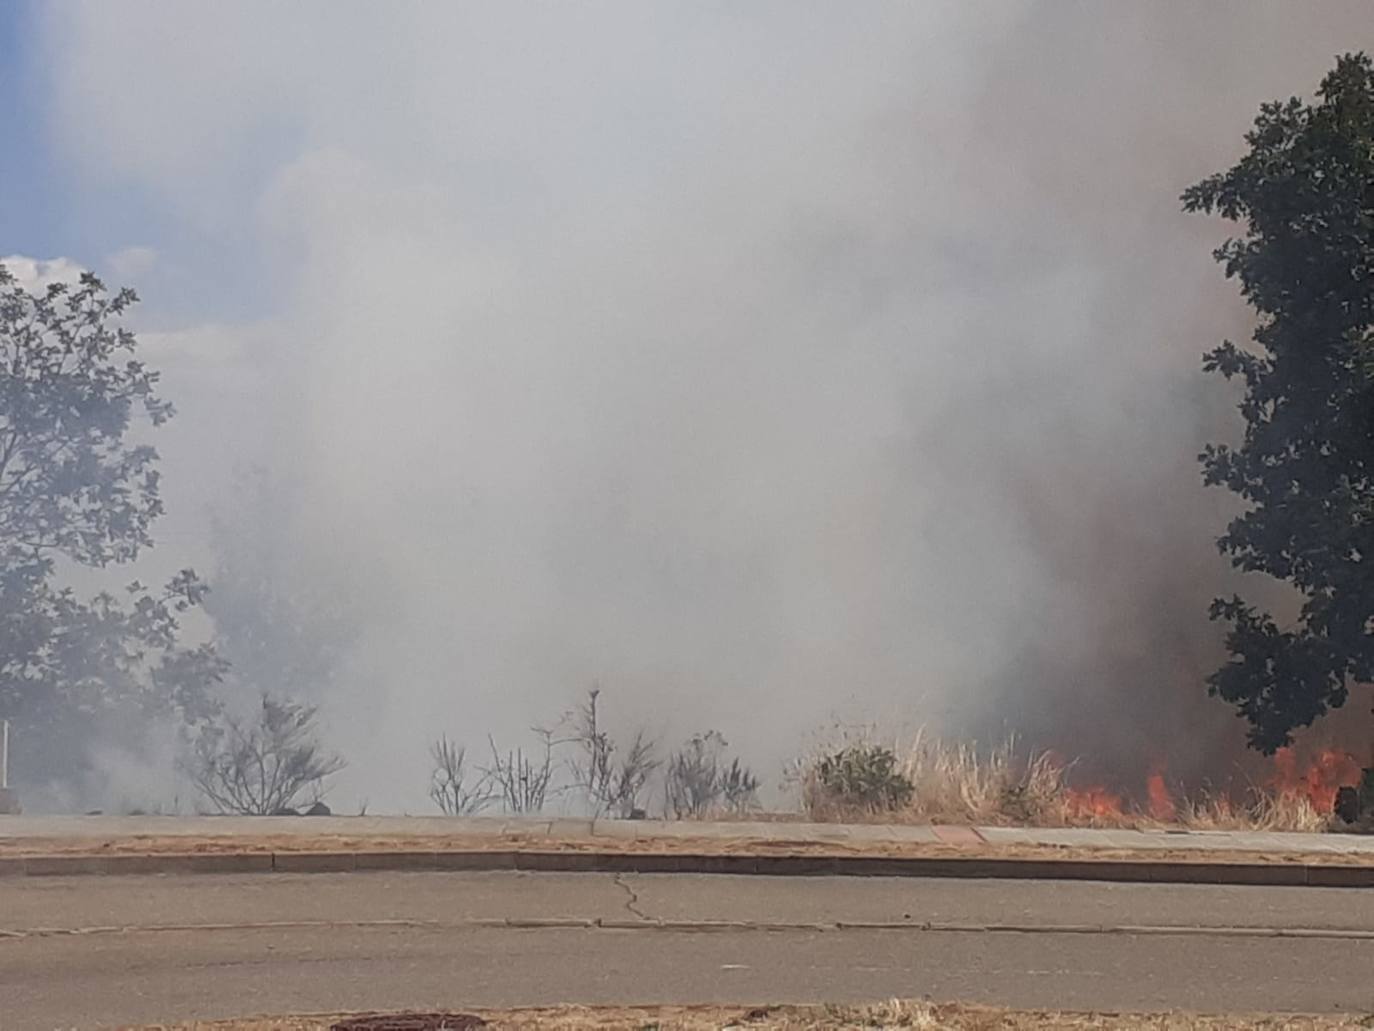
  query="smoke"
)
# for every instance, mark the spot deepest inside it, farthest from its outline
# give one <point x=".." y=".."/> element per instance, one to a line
<point x="767" y="364"/>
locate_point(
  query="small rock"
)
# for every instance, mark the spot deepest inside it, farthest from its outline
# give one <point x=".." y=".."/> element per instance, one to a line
<point x="318" y="809"/>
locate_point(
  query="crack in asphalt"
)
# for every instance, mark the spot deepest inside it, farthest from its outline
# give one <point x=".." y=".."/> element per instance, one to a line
<point x="632" y="902"/>
<point x="643" y="922"/>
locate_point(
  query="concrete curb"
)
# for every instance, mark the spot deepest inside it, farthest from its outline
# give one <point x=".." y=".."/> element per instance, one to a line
<point x="1126" y="871"/>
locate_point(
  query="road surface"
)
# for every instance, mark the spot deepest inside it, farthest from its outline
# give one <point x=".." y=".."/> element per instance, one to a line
<point x="88" y="951"/>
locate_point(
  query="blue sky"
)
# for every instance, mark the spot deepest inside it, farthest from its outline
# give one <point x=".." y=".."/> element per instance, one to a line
<point x="53" y="206"/>
<point x="31" y="209"/>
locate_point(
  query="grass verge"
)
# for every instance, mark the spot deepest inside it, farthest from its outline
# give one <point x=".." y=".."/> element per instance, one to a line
<point x="894" y="1014"/>
<point x="688" y="846"/>
<point x="237" y="844"/>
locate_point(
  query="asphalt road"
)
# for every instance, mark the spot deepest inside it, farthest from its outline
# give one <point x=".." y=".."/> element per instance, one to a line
<point x="92" y="951"/>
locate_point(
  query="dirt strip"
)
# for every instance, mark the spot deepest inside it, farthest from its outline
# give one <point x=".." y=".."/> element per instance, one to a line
<point x="895" y="1014"/>
<point x="338" y="853"/>
<point x="703" y="846"/>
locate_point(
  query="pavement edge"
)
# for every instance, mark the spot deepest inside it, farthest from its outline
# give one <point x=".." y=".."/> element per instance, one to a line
<point x="797" y="865"/>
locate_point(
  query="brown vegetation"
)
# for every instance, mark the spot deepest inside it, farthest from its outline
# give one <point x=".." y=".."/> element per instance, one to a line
<point x="894" y="1014"/>
<point x="939" y="782"/>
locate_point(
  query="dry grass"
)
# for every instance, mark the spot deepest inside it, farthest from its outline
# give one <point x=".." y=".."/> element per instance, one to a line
<point x="955" y="783"/>
<point x="894" y="1014"/>
<point x="1287" y="811"/>
<point x="959" y="783"/>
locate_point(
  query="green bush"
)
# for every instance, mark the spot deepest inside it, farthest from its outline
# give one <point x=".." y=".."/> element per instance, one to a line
<point x="863" y="777"/>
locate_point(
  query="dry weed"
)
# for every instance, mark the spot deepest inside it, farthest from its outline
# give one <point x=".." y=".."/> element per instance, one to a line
<point x="1285" y="811"/>
<point x="956" y="783"/>
<point x="951" y="783"/>
<point x="959" y="783"/>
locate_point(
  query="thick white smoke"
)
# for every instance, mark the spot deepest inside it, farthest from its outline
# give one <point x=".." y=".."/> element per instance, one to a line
<point x="765" y="363"/>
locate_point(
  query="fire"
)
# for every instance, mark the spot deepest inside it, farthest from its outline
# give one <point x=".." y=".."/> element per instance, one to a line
<point x="1096" y="803"/>
<point x="1162" y="805"/>
<point x="1316" y="780"/>
<point x="1319" y="781"/>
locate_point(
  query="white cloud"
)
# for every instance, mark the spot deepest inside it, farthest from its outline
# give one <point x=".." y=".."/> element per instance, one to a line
<point x="35" y="274"/>
<point x="130" y="263"/>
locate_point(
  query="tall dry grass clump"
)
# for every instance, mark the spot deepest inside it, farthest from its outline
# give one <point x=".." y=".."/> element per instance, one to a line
<point x="1263" y="811"/>
<point x="956" y="783"/>
<point x="934" y="781"/>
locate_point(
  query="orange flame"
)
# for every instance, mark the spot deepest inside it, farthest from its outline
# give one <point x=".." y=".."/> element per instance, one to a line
<point x="1319" y="781"/>
<point x="1095" y="803"/>
<point x="1162" y="805"/>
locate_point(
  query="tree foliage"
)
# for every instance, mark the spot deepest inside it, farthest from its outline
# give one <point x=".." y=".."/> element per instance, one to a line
<point x="1304" y="193"/>
<point x="70" y="483"/>
<point x="284" y="630"/>
<point x="76" y="491"/>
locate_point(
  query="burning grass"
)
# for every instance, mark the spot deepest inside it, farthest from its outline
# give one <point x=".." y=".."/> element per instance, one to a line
<point x="857" y="779"/>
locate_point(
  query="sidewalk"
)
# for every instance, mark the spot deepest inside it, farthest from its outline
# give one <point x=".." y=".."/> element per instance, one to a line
<point x="15" y="831"/>
<point x="44" y="845"/>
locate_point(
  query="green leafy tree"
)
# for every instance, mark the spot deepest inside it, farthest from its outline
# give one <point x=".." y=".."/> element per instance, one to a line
<point x="1304" y="193"/>
<point x="76" y="492"/>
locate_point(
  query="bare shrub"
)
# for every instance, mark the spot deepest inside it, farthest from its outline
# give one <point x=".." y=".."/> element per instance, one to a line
<point x="739" y="788"/>
<point x="698" y="784"/>
<point x="267" y="765"/>
<point x="612" y="778"/>
<point x="521" y="782"/>
<point x="452" y="786"/>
